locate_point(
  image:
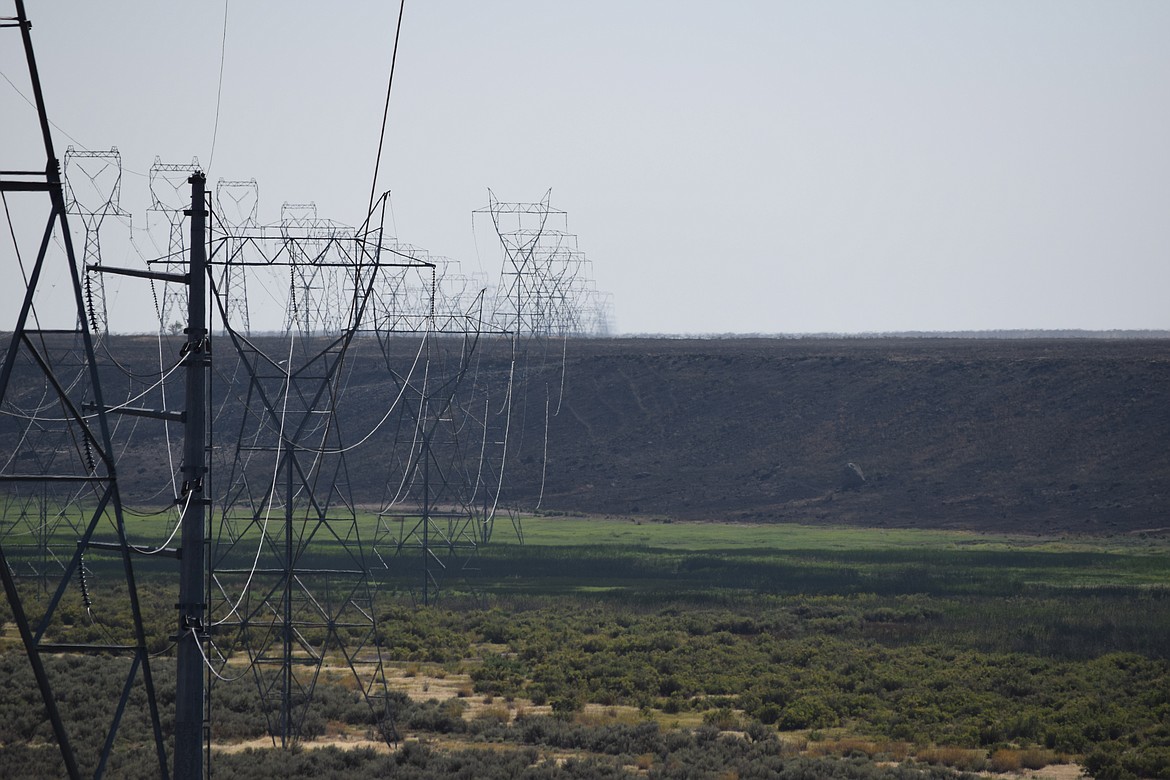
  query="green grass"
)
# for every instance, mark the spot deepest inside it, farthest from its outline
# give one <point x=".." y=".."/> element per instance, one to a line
<point x="698" y="537"/>
<point x="832" y="559"/>
<point x="566" y="554"/>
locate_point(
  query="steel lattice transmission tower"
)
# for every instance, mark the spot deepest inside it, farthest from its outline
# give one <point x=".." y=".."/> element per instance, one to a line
<point x="440" y="498"/>
<point x="237" y="207"/>
<point x="93" y="187"/>
<point x="546" y="283"/>
<point x="63" y="460"/>
<point x="451" y="425"/>
<point x="169" y="200"/>
<point x="290" y="583"/>
<point x="546" y="296"/>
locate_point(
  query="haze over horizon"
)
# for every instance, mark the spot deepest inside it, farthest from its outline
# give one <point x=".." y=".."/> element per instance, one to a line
<point x="752" y="167"/>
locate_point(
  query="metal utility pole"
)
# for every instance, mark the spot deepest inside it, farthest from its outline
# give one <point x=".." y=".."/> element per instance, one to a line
<point x="426" y="514"/>
<point x="189" y="692"/>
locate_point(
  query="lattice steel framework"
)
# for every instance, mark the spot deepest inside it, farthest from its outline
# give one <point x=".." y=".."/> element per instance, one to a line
<point x="433" y="297"/>
<point x="546" y="295"/>
<point x="237" y="204"/>
<point x="69" y="557"/>
<point x="290" y="585"/>
<point x="546" y="283"/>
<point x="168" y="201"/>
<point x="443" y="485"/>
<point x="93" y="187"/>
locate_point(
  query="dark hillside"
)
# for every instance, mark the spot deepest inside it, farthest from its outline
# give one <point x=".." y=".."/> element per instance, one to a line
<point x="1031" y="436"/>
<point x="1027" y="435"/>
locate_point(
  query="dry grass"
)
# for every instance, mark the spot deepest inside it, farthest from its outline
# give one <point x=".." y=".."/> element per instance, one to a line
<point x="1036" y="758"/>
<point x="963" y="759"/>
<point x="686" y="720"/>
<point x="846" y="746"/>
<point x="343" y="741"/>
<point x="600" y="715"/>
<point x="1008" y="760"/>
<point x="494" y="712"/>
<point x="957" y="758"/>
<point x="421" y="683"/>
<point x="794" y="743"/>
<point x="1005" y="761"/>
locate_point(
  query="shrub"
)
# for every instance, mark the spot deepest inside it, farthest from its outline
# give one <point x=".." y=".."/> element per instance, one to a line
<point x="847" y="747"/>
<point x="758" y="732"/>
<point x="1037" y="759"/>
<point x="496" y="712"/>
<point x="768" y="713"/>
<point x="564" y="706"/>
<point x="498" y="675"/>
<point x="957" y="758"/>
<point x="1005" y="760"/>
<point x="1104" y="763"/>
<point x="723" y="719"/>
<point x="806" y="713"/>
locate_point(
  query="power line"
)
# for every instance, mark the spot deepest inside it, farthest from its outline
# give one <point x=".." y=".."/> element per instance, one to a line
<point x="386" y="108"/>
<point x="219" y="89"/>
<point x="26" y="99"/>
<point x="62" y="130"/>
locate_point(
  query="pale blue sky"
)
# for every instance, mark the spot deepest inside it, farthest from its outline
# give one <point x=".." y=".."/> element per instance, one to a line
<point x="729" y="167"/>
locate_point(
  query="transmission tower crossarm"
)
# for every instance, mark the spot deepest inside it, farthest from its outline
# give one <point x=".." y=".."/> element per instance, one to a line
<point x="138" y="411"/>
<point x="166" y="552"/>
<point x="16" y="185"/>
<point x="158" y="276"/>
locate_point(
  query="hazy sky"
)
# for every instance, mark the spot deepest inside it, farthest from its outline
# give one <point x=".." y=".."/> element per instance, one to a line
<point x="740" y="166"/>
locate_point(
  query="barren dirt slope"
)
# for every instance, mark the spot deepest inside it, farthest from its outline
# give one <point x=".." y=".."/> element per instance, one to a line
<point x="1028" y="435"/>
<point x="1032" y="435"/>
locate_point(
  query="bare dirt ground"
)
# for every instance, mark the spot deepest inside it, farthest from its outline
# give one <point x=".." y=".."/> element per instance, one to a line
<point x="1053" y="772"/>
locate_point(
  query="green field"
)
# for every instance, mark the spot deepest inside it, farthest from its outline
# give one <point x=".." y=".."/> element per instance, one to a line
<point x="1014" y="560"/>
